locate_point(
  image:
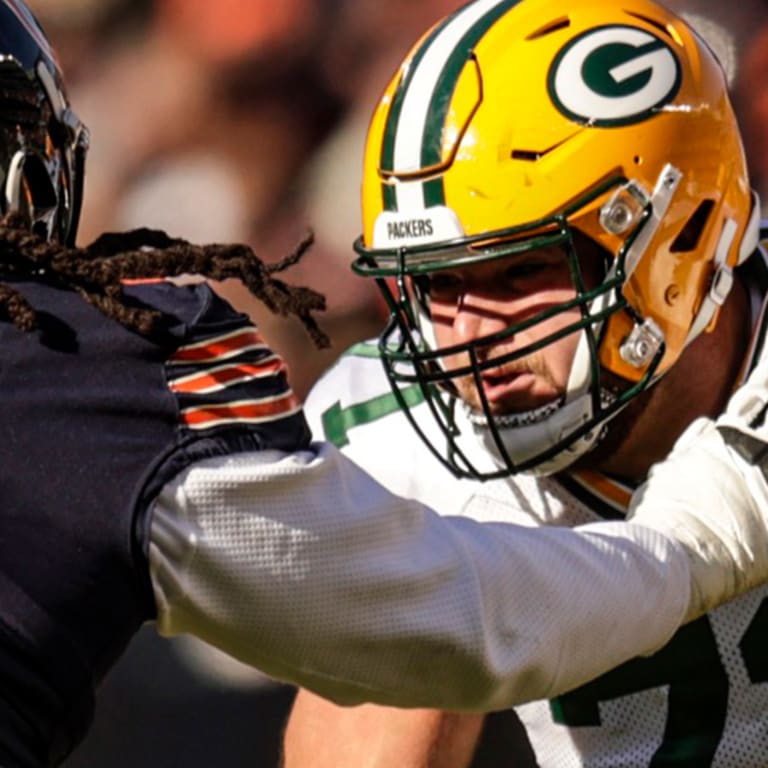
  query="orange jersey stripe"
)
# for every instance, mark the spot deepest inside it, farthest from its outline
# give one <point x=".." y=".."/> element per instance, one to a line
<point x="251" y="411"/>
<point x="219" y="347"/>
<point x="612" y="492"/>
<point x="223" y="376"/>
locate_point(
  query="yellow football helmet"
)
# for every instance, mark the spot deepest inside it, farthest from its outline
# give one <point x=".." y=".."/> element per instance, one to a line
<point x="517" y="124"/>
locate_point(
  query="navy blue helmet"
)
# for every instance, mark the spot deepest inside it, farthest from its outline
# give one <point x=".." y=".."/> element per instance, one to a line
<point x="42" y="142"/>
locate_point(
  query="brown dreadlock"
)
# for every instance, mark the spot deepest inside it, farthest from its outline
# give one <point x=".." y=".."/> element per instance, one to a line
<point x="97" y="270"/>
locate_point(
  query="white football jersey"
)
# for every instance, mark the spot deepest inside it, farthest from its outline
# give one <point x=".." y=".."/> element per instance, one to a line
<point x="702" y="700"/>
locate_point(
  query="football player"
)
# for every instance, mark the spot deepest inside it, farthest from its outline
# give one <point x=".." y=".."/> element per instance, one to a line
<point x="155" y="465"/>
<point x="557" y="210"/>
<point x="109" y="389"/>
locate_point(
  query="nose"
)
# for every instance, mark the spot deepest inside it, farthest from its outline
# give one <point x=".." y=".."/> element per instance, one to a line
<point x="479" y="315"/>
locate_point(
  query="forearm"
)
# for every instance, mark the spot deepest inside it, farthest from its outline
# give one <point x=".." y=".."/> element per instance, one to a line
<point x="306" y="568"/>
<point x="320" y="734"/>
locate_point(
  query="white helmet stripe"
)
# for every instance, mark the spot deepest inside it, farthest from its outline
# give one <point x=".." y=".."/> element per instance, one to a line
<point x="411" y="126"/>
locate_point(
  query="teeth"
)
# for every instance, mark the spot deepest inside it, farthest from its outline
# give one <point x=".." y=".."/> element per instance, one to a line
<point x="525" y="418"/>
<point x="522" y="419"/>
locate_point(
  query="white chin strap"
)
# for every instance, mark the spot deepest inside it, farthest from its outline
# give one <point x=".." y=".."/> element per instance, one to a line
<point x="523" y="442"/>
<point x="533" y="434"/>
<point x="548" y="425"/>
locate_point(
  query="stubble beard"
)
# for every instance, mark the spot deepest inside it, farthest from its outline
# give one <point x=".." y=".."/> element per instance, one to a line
<point x="515" y="404"/>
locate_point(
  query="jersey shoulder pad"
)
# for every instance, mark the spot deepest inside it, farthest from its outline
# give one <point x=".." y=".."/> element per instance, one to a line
<point x="192" y="309"/>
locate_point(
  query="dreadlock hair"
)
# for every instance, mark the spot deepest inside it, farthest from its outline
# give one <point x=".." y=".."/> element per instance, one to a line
<point x="96" y="272"/>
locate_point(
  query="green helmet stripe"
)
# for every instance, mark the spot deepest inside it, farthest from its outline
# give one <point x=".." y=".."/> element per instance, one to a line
<point x="448" y="80"/>
<point x="421" y="102"/>
<point x="393" y="118"/>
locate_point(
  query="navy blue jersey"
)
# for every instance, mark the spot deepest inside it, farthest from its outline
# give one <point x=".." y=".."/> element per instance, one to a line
<point x="96" y="419"/>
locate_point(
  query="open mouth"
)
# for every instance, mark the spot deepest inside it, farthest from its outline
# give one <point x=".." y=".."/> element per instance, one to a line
<point x="517" y="388"/>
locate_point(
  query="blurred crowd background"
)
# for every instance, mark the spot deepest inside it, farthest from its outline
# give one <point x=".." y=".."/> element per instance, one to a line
<point x="244" y="121"/>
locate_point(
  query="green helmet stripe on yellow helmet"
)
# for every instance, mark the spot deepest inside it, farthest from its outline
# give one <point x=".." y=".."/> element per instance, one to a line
<point x="388" y="141"/>
<point x="412" y="139"/>
<point x="441" y="99"/>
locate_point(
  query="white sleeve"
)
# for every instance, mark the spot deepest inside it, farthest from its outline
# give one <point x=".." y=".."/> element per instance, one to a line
<point x="711" y="495"/>
<point x="305" y="567"/>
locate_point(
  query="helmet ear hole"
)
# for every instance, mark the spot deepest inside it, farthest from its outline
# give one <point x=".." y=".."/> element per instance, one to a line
<point x="688" y="239"/>
<point x="38" y="182"/>
<point x="30" y="191"/>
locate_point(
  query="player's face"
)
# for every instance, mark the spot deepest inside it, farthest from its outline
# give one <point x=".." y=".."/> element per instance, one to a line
<point x="471" y="303"/>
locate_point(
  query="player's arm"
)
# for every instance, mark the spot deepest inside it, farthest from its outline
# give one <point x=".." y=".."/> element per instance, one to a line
<point x="707" y="495"/>
<point x="305" y="567"/>
<point x="711" y="496"/>
<point x="321" y="734"/>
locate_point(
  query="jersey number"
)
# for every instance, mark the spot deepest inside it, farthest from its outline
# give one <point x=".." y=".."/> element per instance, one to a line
<point x="690" y="665"/>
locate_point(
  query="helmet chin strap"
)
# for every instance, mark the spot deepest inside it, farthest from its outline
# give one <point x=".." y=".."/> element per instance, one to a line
<point x="723" y="278"/>
<point x="518" y="419"/>
<point x="549" y="425"/>
<point x="556" y="421"/>
<point x="525" y="435"/>
<point x="520" y="438"/>
<point x="523" y="443"/>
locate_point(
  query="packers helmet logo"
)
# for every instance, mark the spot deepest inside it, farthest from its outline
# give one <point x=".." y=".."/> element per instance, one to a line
<point x="614" y="75"/>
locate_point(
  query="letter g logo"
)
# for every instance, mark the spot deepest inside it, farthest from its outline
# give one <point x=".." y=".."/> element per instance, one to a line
<point x="613" y="76"/>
